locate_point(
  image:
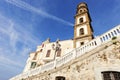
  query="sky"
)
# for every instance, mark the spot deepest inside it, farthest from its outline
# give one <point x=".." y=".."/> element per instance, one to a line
<point x="25" y="24"/>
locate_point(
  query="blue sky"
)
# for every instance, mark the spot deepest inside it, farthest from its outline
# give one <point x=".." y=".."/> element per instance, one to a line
<point x="24" y="24"/>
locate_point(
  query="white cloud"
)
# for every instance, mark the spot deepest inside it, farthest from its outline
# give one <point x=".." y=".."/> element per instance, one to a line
<point x="28" y="7"/>
<point x="7" y="62"/>
<point x="15" y="42"/>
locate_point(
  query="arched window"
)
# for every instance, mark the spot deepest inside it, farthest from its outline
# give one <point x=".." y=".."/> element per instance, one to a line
<point x="111" y="75"/>
<point x="81" y="20"/>
<point x="81" y="31"/>
<point x="60" y="78"/>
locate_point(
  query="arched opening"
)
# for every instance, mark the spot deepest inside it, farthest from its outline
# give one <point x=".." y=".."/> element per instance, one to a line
<point x="81" y="31"/>
<point x="81" y="20"/>
<point x="111" y="75"/>
<point x="60" y="78"/>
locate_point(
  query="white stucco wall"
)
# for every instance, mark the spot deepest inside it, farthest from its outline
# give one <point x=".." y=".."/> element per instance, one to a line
<point x="66" y="46"/>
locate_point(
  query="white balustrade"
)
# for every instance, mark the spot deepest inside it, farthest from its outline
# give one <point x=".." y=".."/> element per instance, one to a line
<point x="25" y="74"/>
<point x="34" y="71"/>
<point x="47" y="66"/>
<point x="66" y="58"/>
<point x="110" y="34"/>
<point x="74" y="53"/>
<point x="98" y="41"/>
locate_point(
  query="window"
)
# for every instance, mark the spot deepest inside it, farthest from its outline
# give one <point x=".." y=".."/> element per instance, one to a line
<point x="111" y="75"/>
<point x="35" y="56"/>
<point x="81" y="20"/>
<point x="60" y="78"/>
<point x="80" y="11"/>
<point x="81" y="31"/>
<point x="41" y="50"/>
<point x="82" y="43"/>
<point x="42" y="45"/>
<point x="59" y="53"/>
<point x="48" y="53"/>
<point x="33" y="64"/>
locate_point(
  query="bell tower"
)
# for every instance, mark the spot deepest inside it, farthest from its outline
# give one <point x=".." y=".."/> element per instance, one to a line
<point x="83" y="31"/>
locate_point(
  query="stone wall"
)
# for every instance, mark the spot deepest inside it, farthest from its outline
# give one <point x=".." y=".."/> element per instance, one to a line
<point x="88" y="66"/>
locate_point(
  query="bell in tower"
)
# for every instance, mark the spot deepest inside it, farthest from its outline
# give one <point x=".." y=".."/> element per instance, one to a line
<point x="83" y="31"/>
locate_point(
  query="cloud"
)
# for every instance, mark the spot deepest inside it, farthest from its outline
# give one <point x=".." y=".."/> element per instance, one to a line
<point x="6" y="61"/>
<point x="15" y="42"/>
<point x="28" y="7"/>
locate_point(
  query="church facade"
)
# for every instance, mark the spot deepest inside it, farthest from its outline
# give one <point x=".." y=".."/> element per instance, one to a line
<point x="81" y="58"/>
